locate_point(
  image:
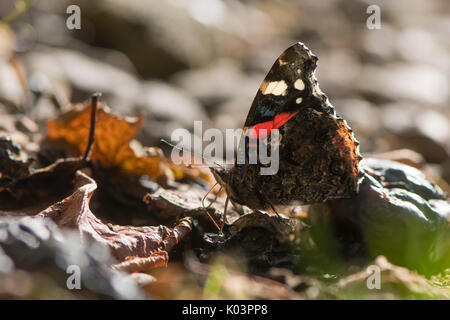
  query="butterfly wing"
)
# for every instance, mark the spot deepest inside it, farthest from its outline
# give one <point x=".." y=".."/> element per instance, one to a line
<point x="289" y="82"/>
<point x="318" y="154"/>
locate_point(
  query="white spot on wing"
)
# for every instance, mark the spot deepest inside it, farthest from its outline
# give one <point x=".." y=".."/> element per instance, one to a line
<point x="276" y="88"/>
<point x="298" y="100"/>
<point x="281" y="62"/>
<point x="299" y="84"/>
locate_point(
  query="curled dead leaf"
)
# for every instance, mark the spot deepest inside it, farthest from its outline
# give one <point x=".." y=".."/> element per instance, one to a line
<point x="137" y="248"/>
<point x="11" y="166"/>
<point x="35" y="187"/>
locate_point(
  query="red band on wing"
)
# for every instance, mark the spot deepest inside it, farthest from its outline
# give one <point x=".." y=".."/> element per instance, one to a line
<point x="268" y="126"/>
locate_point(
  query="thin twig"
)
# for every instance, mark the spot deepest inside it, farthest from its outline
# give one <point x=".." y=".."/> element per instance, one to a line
<point x="94" y="106"/>
<point x="224" y="215"/>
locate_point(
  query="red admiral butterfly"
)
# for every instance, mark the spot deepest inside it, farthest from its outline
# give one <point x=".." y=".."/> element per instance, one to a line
<point x="318" y="154"/>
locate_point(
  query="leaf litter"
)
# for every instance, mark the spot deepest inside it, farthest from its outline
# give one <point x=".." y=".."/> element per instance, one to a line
<point x="96" y="153"/>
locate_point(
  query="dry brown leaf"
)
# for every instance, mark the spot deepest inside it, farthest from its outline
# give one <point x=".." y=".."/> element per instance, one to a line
<point x="181" y="171"/>
<point x="21" y="186"/>
<point x="113" y="136"/>
<point x="182" y="202"/>
<point x="137" y="248"/>
<point x="11" y="166"/>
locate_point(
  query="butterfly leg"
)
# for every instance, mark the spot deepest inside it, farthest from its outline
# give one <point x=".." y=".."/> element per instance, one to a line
<point x="215" y="198"/>
<point x="271" y="206"/>
<point x="209" y="205"/>
<point x="224" y="215"/>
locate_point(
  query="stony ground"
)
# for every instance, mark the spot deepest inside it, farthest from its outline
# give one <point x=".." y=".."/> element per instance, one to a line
<point x="176" y="63"/>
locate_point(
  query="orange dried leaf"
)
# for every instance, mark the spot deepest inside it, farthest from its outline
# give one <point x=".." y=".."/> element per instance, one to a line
<point x="113" y="136"/>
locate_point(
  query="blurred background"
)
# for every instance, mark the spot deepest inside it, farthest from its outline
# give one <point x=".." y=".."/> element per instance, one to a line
<point x="178" y="61"/>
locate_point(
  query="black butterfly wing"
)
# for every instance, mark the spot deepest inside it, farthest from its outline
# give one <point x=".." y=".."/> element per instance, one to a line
<point x="318" y="154"/>
<point x="289" y="85"/>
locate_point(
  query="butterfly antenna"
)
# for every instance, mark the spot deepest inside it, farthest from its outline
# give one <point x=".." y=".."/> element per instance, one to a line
<point x="189" y="165"/>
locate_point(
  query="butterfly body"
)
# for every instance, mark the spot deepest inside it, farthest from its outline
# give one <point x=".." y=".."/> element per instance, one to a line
<point x="318" y="154"/>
